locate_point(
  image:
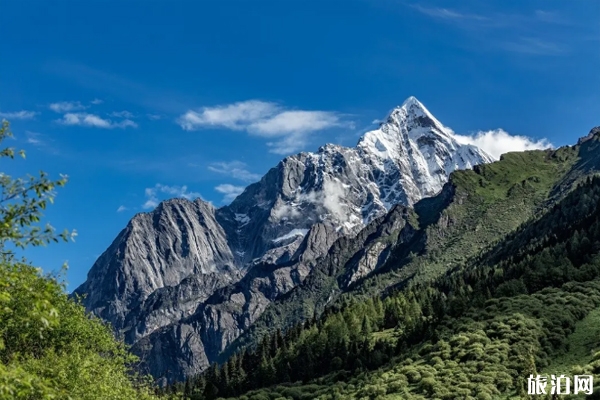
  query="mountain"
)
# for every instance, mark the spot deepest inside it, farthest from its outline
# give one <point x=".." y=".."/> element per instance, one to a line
<point x="475" y="209"/>
<point x="409" y="157"/>
<point x="494" y="279"/>
<point x="183" y="282"/>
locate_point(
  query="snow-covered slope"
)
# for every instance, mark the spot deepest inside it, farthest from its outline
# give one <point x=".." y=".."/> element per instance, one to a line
<point x="414" y="146"/>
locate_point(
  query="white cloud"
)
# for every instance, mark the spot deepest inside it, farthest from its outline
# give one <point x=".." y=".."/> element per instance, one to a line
<point x="154" y="117"/>
<point x="289" y="128"/>
<point x="152" y="194"/>
<point x="23" y="114"/>
<point x="285" y="211"/>
<point x="445" y="13"/>
<point x="122" y="114"/>
<point x="333" y="194"/>
<point x="92" y="120"/>
<point x="288" y="122"/>
<point x="497" y="142"/>
<point x="121" y="209"/>
<point x="150" y="203"/>
<point x="34" y="138"/>
<point x="66" y="106"/>
<point x="235" y="116"/>
<point x="288" y="144"/>
<point x="230" y="191"/>
<point x="96" y="102"/>
<point x="41" y="142"/>
<point x="234" y="169"/>
<point x="330" y="199"/>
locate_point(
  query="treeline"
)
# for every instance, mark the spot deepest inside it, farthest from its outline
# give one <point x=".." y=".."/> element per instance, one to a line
<point x="485" y="354"/>
<point x="560" y="247"/>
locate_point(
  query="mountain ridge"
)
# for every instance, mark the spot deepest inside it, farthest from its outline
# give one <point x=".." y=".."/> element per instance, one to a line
<point x="166" y="264"/>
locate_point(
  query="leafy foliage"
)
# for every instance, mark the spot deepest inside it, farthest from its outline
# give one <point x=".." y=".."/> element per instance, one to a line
<point x="49" y="347"/>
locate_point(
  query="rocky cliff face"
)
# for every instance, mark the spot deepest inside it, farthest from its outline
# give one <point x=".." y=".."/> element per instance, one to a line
<point x="230" y="311"/>
<point x="160" y="249"/>
<point x="183" y="282"/>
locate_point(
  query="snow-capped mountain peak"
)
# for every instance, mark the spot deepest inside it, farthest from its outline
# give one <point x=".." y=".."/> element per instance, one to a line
<point x="412" y="112"/>
<point x="416" y="149"/>
<point x="409" y="156"/>
<point x="412" y="122"/>
<point x="413" y="115"/>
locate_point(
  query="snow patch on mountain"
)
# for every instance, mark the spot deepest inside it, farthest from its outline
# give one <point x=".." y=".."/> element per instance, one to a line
<point x="243" y="219"/>
<point x="294" y="233"/>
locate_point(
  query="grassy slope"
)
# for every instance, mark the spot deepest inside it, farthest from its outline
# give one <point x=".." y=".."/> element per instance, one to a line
<point x="487" y="204"/>
<point x="582" y="345"/>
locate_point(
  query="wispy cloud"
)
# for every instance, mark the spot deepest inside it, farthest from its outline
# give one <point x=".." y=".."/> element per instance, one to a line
<point x="41" y="141"/>
<point x="23" y="114"/>
<point x="230" y="191"/>
<point x="152" y="194"/>
<point x="289" y="128"/>
<point x="533" y="34"/>
<point x="34" y="138"/>
<point x="237" y="116"/>
<point x="97" y="101"/>
<point x="448" y="14"/>
<point x="122" y="114"/>
<point x="234" y="169"/>
<point x="154" y="117"/>
<point x="497" y="142"/>
<point x="533" y="46"/>
<point x="66" y="106"/>
<point x="492" y="20"/>
<point x="551" y="17"/>
<point x="93" y="120"/>
<point x="121" y="209"/>
<point x="119" y="87"/>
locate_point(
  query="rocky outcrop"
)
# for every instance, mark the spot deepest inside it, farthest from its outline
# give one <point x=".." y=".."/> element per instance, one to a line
<point x="593" y="132"/>
<point x="179" y="239"/>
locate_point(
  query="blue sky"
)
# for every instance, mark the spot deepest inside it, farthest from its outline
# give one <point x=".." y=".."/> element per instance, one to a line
<point x="139" y="101"/>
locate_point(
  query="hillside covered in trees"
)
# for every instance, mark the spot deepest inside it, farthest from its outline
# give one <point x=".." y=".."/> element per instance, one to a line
<point x="509" y="288"/>
<point x="499" y="279"/>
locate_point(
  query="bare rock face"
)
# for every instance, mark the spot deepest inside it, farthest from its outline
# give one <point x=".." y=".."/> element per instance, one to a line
<point x="593" y="132"/>
<point x="159" y="249"/>
<point x="183" y="282"/>
<point x="231" y="310"/>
